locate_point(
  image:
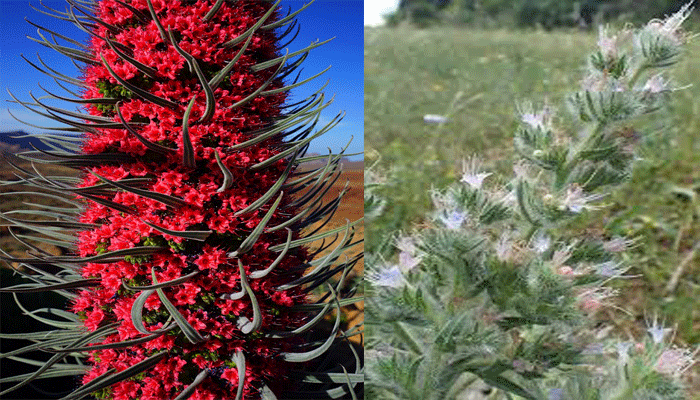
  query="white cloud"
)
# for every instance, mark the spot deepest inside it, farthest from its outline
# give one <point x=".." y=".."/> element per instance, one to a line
<point x="375" y="9"/>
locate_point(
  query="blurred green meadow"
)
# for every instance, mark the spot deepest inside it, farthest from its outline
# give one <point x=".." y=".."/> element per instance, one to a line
<point x="477" y="79"/>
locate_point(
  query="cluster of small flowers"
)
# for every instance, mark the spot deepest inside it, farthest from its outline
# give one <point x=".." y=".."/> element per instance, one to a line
<point x="203" y="299"/>
<point x="514" y="261"/>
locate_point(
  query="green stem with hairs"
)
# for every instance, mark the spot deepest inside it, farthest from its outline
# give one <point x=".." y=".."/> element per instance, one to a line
<point x="406" y="336"/>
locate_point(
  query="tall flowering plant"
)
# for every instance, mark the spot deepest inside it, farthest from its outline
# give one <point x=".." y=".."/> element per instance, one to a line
<point x="186" y="269"/>
<point x="493" y="296"/>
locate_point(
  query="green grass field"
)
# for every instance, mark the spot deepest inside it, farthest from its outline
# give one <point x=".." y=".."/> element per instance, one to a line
<point x="478" y="78"/>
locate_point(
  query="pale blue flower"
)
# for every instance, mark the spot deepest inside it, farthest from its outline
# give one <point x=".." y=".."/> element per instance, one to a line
<point x="541" y="243"/>
<point x="576" y="200"/>
<point x="555" y="394"/>
<point x="471" y="174"/>
<point x="408" y="261"/>
<point x="617" y="244"/>
<point x="608" y="269"/>
<point x="391" y="277"/>
<point x="623" y="349"/>
<point x="453" y="220"/>
<point x="657" y="331"/>
<point x="435" y="119"/>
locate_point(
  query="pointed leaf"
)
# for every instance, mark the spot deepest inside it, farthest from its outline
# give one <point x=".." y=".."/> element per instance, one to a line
<point x="170" y="201"/>
<point x="270" y="192"/>
<point x="154" y="16"/>
<point x="267" y="64"/>
<point x="189" y="390"/>
<point x="212" y="11"/>
<point x="138" y="91"/>
<point x="286" y="19"/>
<point x="263" y="273"/>
<point x="310" y="239"/>
<point x="290" y="87"/>
<point x="148" y="71"/>
<point x="137" y="314"/>
<point x="249" y="33"/>
<point x="239" y="359"/>
<point x="248" y="243"/>
<point x="191" y="235"/>
<point x="28" y="378"/>
<point x="190" y="333"/>
<point x="219" y="77"/>
<point x="161" y="285"/>
<point x="150" y="145"/>
<point x="257" y="315"/>
<point x="187" y="148"/>
<point x="109" y="379"/>
<point x="228" y="177"/>
<point x="69" y="285"/>
<point x="194" y="66"/>
<point x="137" y="13"/>
<point x="262" y="87"/>
<point x="310" y="355"/>
<point x="115" y="345"/>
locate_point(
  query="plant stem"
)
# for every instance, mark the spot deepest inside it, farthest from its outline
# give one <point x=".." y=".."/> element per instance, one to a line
<point x="406" y="335"/>
<point x="574" y="158"/>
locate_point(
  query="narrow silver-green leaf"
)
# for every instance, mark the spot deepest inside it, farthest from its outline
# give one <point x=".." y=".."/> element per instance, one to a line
<point x="168" y="200"/>
<point x="115" y="345"/>
<point x="187" y="148"/>
<point x="288" y="18"/>
<point x="257" y="314"/>
<point x="267" y="64"/>
<point x="310" y="239"/>
<point x="262" y="87"/>
<point x="191" y="235"/>
<point x="296" y="146"/>
<point x="315" y="320"/>
<point x="310" y="355"/>
<point x="189" y="390"/>
<point x="210" y="14"/>
<point x="239" y="359"/>
<point x="28" y="378"/>
<point x="55" y="373"/>
<point x="249" y="33"/>
<point x="137" y="311"/>
<point x="109" y="379"/>
<point x="150" y="145"/>
<point x="148" y="71"/>
<point x="270" y="192"/>
<point x="280" y="257"/>
<point x="163" y="35"/>
<point x="290" y="87"/>
<point x="248" y="243"/>
<point x="110" y="256"/>
<point x="138" y="91"/>
<point x="137" y="13"/>
<point x="161" y="285"/>
<point x="228" y="176"/>
<point x="194" y="67"/>
<point x="190" y="333"/>
<point x="221" y="75"/>
<point x="39" y="288"/>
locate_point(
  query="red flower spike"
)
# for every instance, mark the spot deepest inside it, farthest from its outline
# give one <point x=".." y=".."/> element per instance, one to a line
<point x="158" y="172"/>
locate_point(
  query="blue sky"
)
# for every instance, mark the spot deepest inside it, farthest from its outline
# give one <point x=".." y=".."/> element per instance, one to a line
<point x="324" y="19"/>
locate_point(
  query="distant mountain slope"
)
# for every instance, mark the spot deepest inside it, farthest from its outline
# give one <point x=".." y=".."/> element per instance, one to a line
<point x="9" y="141"/>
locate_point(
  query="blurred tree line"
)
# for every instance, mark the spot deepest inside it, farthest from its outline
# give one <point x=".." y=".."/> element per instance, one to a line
<point x="547" y="14"/>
